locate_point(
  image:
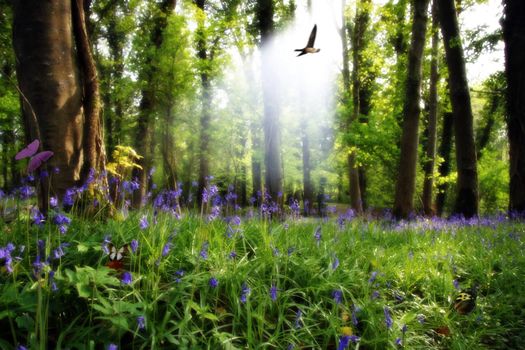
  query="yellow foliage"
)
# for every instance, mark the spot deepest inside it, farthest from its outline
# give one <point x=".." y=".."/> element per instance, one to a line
<point x="125" y="159"/>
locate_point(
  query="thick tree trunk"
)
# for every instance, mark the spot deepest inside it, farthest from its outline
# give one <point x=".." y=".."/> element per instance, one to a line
<point x="444" y="151"/>
<point x="51" y="90"/>
<point x="467" y="183"/>
<point x="430" y="151"/>
<point x="271" y="128"/>
<point x="406" y="182"/>
<point x="514" y="37"/>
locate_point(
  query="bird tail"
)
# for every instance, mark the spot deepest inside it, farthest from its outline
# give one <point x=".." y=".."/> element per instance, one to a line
<point x="298" y="50"/>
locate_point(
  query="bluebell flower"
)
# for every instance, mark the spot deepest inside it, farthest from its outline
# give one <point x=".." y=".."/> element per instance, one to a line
<point x="204" y="251"/>
<point x="59" y="252"/>
<point x="126" y="278"/>
<point x="337" y="294"/>
<point x="344" y="341"/>
<point x="134" y="246"/>
<point x="399" y="342"/>
<point x="245" y="291"/>
<point x="37" y="217"/>
<point x="298" y="319"/>
<point x="20" y="347"/>
<point x="388" y="318"/>
<point x="141" y="322"/>
<point x="456" y="284"/>
<point x="213" y="282"/>
<point x="236" y="220"/>
<point x="166" y="249"/>
<point x="404" y="329"/>
<point x="143" y="223"/>
<point x="355" y="311"/>
<point x="233" y="255"/>
<point x="112" y="347"/>
<point x="26" y="192"/>
<point x="375" y="294"/>
<point x="317" y="235"/>
<point x="69" y="197"/>
<point x="178" y="275"/>
<point x="421" y="318"/>
<point x="53" y="202"/>
<point x="372" y="278"/>
<point x="273" y="292"/>
<point x="60" y="219"/>
<point x="335" y="263"/>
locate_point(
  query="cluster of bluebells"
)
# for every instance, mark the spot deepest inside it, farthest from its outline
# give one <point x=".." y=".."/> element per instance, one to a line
<point x="168" y="201"/>
<point x="345" y="340"/>
<point x="245" y="291"/>
<point x="62" y="222"/>
<point x="5" y="254"/>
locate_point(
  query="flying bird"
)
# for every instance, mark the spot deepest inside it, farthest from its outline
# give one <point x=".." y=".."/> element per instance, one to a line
<point x="309" y="48"/>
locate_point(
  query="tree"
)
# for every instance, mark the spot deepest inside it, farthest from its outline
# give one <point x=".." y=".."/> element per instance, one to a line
<point x="147" y="108"/>
<point x="514" y="37"/>
<point x="272" y="142"/>
<point x="406" y="181"/>
<point x="467" y="184"/>
<point x="59" y="107"/>
<point x="430" y="152"/>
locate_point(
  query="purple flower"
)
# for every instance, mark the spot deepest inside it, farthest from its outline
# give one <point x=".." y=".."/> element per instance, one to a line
<point x="337" y="294"/>
<point x="298" y="321"/>
<point x="345" y="340"/>
<point x="141" y="322"/>
<point x="372" y="278"/>
<point x="233" y="255"/>
<point x="273" y="292"/>
<point x="53" y="202"/>
<point x="26" y="192"/>
<point x="204" y="251"/>
<point x="388" y="319"/>
<point x="37" y="217"/>
<point x="126" y="278"/>
<point x="335" y="263"/>
<point x="143" y="223"/>
<point x="236" y="220"/>
<point x="20" y="347"/>
<point x="178" y="275"/>
<point x="317" y="235"/>
<point x="112" y="347"/>
<point x="404" y="329"/>
<point x="375" y="294"/>
<point x="59" y="252"/>
<point x="69" y="197"/>
<point x="134" y="246"/>
<point x="355" y="311"/>
<point x="166" y="249"/>
<point x="245" y="291"/>
<point x="213" y="282"/>
<point x="399" y="342"/>
<point x="421" y="319"/>
<point x="456" y="284"/>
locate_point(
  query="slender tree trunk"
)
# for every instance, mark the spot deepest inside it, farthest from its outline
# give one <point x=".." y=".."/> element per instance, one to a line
<point x="272" y="135"/>
<point x="51" y="89"/>
<point x="308" y="192"/>
<point x="430" y="152"/>
<point x="514" y="37"/>
<point x="147" y="107"/>
<point x="406" y="182"/>
<point x="444" y="151"/>
<point x="484" y="136"/>
<point x="467" y="183"/>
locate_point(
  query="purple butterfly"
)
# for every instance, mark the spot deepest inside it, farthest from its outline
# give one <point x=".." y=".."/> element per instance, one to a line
<point x="28" y="151"/>
<point x="37" y="159"/>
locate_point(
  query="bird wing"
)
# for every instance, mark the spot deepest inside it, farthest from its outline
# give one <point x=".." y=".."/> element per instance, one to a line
<point x="311" y="40"/>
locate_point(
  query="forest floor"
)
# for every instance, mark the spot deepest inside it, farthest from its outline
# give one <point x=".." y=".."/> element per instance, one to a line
<point x="184" y="281"/>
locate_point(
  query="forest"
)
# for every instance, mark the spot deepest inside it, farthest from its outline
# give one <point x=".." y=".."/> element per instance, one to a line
<point x="241" y="174"/>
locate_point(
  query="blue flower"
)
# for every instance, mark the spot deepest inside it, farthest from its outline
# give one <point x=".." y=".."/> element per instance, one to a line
<point x="166" y="249"/>
<point x="20" y="347"/>
<point x="213" y="282"/>
<point x="298" y="319"/>
<point x="335" y="263"/>
<point x="37" y="217"/>
<point x="372" y="278"/>
<point x="141" y="322"/>
<point x="456" y="284"/>
<point x="388" y="319"/>
<point x="399" y="342"/>
<point x="60" y="219"/>
<point x="337" y="294"/>
<point x="179" y="274"/>
<point x="421" y="319"/>
<point x="112" y="347"/>
<point x="143" y="223"/>
<point x="134" y="245"/>
<point x="126" y="278"/>
<point x="245" y="291"/>
<point x="53" y="202"/>
<point x="273" y="292"/>
<point x="317" y="235"/>
<point x="233" y="255"/>
<point x="204" y="251"/>
<point x="355" y="311"/>
<point x="344" y="341"/>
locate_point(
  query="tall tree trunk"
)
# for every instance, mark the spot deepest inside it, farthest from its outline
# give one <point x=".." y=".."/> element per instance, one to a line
<point x="272" y="142"/>
<point x="308" y="191"/>
<point x="430" y="151"/>
<point x="147" y="106"/>
<point x="51" y="89"/>
<point x="467" y="183"/>
<point x="444" y="151"/>
<point x="93" y="141"/>
<point x="204" y="140"/>
<point x="353" y="173"/>
<point x="484" y="135"/>
<point x="406" y="182"/>
<point x="514" y="37"/>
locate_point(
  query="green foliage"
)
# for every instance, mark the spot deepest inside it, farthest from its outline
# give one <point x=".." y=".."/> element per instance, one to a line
<point x="409" y="268"/>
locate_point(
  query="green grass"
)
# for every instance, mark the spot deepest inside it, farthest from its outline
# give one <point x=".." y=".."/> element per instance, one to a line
<point x="414" y="267"/>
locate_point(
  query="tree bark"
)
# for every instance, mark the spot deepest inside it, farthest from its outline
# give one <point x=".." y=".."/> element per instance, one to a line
<point x="93" y="141"/>
<point x="51" y="89"/>
<point x="514" y="37"/>
<point x="147" y="106"/>
<point x="430" y="153"/>
<point x="272" y="142"/>
<point x="444" y="151"/>
<point x="467" y="184"/>
<point x="406" y="182"/>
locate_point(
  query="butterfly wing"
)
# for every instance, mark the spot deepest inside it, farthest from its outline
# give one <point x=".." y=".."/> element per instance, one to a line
<point x="311" y="40"/>
<point x="29" y="150"/>
<point x="117" y="254"/>
<point x="38" y="160"/>
<point x="465" y="302"/>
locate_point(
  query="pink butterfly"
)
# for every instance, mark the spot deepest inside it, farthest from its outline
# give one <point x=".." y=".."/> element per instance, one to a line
<point x="37" y="159"/>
